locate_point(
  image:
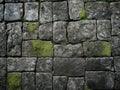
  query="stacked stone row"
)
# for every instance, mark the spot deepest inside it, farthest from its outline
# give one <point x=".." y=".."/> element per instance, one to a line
<point x="59" y="45"/>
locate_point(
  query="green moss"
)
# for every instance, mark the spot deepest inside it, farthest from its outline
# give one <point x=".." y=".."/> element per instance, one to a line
<point x="42" y="48"/>
<point x="32" y="26"/>
<point x="87" y="88"/>
<point x="106" y="51"/>
<point x="14" y="81"/>
<point x="83" y="15"/>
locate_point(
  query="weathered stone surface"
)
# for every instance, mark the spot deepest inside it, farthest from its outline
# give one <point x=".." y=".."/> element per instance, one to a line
<point x="13" y="11"/>
<point x="98" y="48"/>
<point x="117" y="64"/>
<point x="31" y="11"/>
<point x="1" y="1"/>
<point x="60" y="11"/>
<point x="59" y="82"/>
<point x="46" y="12"/>
<point x="3" y="83"/>
<point x="44" y="65"/>
<point x="20" y="0"/>
<point x="28" y="81"/>
<point x="37" y="48"/>
<point x="69" y="66"/>
<point x="115" y="21"/>
<point x="68" y="50"/>
<point x="30" y="30"/>
<point x="2" y="39"/>
<point x="1" y="12"/>
<point x="117" y="81"/>
<point x="75" y="8"/>
<point x="43" y="81"/>
<point x="103" y="29"/>
<point x="100" y="80"/>
<point x="98" y="10"/>
<point x="116" y="46"/>
<point x="59" y="32"/>
<point x="14" y="41"/>
<point x="2" y="67"/>
<point x="81" y="31"/>
<point x="115" y="7"/>
<point x="75" y="83"/>
<point x="45" y="31"/>
<point x="21" y="64"/>
<point x="99" y="64"/>
<point x="14" y="81"/>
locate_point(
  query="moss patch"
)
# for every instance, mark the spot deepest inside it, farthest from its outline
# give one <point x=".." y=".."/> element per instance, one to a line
<point x="83" y="15"/>
<point x="42" y="48"/>
<point x="14" y="81"/>
<point x="87" y="88"/>
<point x="106" y="51"/>
<point x="32" y="26"/>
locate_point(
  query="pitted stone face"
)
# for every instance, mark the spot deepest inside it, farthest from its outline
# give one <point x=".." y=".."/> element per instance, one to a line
<point x="59" y="44"/>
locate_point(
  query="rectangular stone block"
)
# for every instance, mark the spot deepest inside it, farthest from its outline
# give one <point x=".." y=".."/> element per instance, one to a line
<point x="1" y="12"/>
<point x="3" y="83"/>
<point x="117" y="81"/>
<point x="2" y="67"/>
<point x="21" y="64"/>
<point x="117" y="63"/>
<point x="69" y="66"/>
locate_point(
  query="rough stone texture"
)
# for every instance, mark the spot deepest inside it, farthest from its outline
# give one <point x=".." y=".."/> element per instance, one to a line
<point x="117" y="81"/>
<point x="68" y="50"/>
<point x="103" y="29"/>
<point x="81" y="31"/>
<point x="28" y="81"/>
<point x="13" y="11"/>
<point x="59" y="82"/>
<point x="45" y="12"/>
<point x="21" y="64"/>
<point x="45" y="31"/>
<point x="43" y="81"/>
<point x="69" y="66"/>
<point x="75" y="8"/>
<point x="2" y="39"/>
<point x="2" y="83"/>
<point x="75" y="83"/>
<point x="30" y="30"/>
<point x="14" y="32"/>
<point x="59" y="32"/>
<point x="99" y="64"/>
<point x="98" y="10"/>
<point x="1" y="1"/>
<point x="100" y="80"/>
<point x="1" y="12"/>
<point x="2" y="67"/>
<point x="60" y="11"/>
<point x="44" y="65"/>
<point x="117" y="64"/>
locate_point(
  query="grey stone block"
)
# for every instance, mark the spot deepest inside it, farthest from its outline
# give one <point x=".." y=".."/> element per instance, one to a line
<point x="45" y="12"/>
<point x="45" y="31"/>
<point x="13" y="11"/>
<point x="117" y="64"/>
<point x="68" y="50"/>
<point x="2" y="67"/>
<point x="3" y="84"/>
<point x="59" y="32"/>
<point x="81" y="31"/>
<point x="104" y="29"/>
<point x="75" y="83"/>
<point x="99" y="64"/>
<point x="1" y="1"/>
<point x="117" y="81"/>
<point x="28" y="81"/>
<point x="100" y="80"/>
<point x="21" y="64"/>
<point x="75" y="8"/>
<point x="98" y="10"/>
<point x="43" y="81"/>
<point x="14" y="42"/>
<point x="59" y="82"/>
<point x="60" y="11"/>
<point x="115" y="7"/>
<point x="1" y="11"/>
<point x="69" y="66"/>
<point x="44" y="65"/>
<point x="30" y="30"/>
<point x="31" y="11"/>
<point x="3" y="38"/>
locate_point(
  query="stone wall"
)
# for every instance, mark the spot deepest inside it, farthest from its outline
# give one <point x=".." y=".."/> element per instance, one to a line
<point x="60" y="45"/>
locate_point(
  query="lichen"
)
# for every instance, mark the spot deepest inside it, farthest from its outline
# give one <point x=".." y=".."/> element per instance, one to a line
<point x="83" y="14"/>
<point x="14" y="81"/>
<point x="42" y="48"/>
<point x="32" y="26"/>
<point x="106" y="51"/>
